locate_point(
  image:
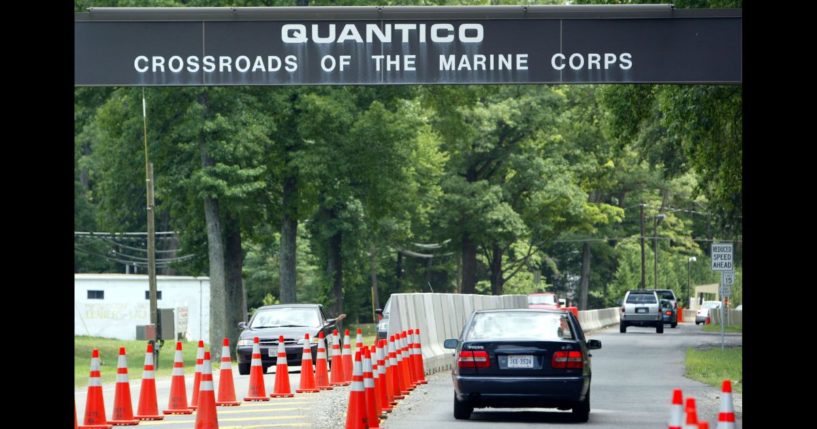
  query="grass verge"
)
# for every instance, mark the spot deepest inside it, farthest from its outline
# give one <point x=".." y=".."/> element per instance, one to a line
<point x="728" y="328"/>
<point x="109" y="353"/>
<point x="712" y="366"/>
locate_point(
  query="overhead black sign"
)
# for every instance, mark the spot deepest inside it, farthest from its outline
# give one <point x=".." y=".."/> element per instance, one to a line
<point x="217" y="46"/>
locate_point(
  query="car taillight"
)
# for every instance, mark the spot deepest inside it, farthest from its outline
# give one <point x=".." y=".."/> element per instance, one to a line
<point x="622" y="309"/>
<point x="669" y="313"/>
<point x="477" y="359"/>
<point x="567" y="360"/>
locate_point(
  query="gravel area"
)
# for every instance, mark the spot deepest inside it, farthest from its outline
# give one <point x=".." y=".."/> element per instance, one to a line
<point x="330" y="411"/>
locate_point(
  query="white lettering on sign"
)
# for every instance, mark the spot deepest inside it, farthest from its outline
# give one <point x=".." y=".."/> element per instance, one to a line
<point x="439" y="33"/>
<point x="722" y="257"/>
<point x="591" y="61"/>
<point x="210" y="64"/>
<point x="484" y="62"/>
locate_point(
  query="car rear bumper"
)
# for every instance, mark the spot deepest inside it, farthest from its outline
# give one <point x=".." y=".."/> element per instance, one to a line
<point x="632" y="319"/>
<point x="521" y="391"/>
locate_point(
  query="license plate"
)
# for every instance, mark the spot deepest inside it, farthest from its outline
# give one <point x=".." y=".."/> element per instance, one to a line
<point x="520" y="361"/>
<point x="640" y="310"/>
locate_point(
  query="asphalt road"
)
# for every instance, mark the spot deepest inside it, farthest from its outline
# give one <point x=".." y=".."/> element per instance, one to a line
<point x="633" y="378"/>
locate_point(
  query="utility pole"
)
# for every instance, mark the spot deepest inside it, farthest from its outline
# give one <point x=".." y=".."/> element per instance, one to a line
<point x="643" y="273"/>
<point x="154" y="314"/>
<point x="658" y="218"/>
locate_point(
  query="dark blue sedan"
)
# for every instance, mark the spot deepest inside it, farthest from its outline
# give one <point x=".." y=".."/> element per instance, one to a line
<point x="522" y="358"/>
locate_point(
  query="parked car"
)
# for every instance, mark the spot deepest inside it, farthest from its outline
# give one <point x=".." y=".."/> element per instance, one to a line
<point x="703" y="312"/>
<point x="511" y="358"/>
<point x="640" y="307"/>
<point x="290" y="320"/>
<point x="383" y="323"/>
<point x="544" y="300"/>
<point x="669" y="313"/>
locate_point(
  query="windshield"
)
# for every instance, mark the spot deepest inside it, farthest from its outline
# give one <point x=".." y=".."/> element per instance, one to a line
<point x="520" y="325"/>
<point x="641" y="298"/>
<point x="542" y="299"/>
<point x="286" y="316"/>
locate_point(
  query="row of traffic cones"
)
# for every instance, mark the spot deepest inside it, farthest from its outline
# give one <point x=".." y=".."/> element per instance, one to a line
<point x="686" y="416"/>
<point x="382" y="374"/>
<point x="147" y="408"/>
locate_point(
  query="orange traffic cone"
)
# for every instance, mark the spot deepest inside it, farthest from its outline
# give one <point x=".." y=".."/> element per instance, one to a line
<point x="148" y="408"/>
<point x="395" y="372"/>
<point x="375" y="379"/>
<point x="307" y="383"/>
<point x="359" y="339"/>
<point x="122" y="405"/>
<point x="703" y="425"/>
<point x="321" y="372"/>
<point x="726" y="416"/>
<point x="346" y="357"/>
<point x="194" y="400"/>
<point x="226" y="387"/>
<point x="94" y="402"/>
<point x="281" y="388"/>
<point x="676" y="414"/>
<point x="405" y="387"/>
<point x="382" y="380"/>
<point x="206" y="417"/>
<point x="356" y="416"/>
<point x="337" y="377"/>
<point x="178" y="392"/>
<point x="418" y="356"/>
<point x="408" y="361"/>
<point x="256" y="390"/>
<point x="692" y="414"/>
<point x="75" y="415"/>
<point x="368" y="387"/>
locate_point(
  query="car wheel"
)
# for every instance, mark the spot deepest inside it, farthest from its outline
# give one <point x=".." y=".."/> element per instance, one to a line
<point x="622" y="327"/>
<point x="673" y="325"/>
<point x="659" y="329"/>
<point x="243" y="368"/>
<point x="462" y="409"/>
<point x="581" y="412"/>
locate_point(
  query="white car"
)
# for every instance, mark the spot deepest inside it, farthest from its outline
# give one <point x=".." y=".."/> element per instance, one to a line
<point x="703" y="312"/>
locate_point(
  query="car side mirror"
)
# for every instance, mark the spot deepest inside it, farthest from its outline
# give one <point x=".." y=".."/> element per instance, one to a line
<point x="242" y="325"/>
<point x="329" y="321"/>
<point x="593" y="344"/>
<point x="450" y="343"/>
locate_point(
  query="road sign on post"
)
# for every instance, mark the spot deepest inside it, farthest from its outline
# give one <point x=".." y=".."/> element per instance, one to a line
<point x="722" y="257"/>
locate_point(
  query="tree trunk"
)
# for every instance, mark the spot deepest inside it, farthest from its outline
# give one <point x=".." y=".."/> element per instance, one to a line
<point x="469" y="265"/>
<point x="234" y="262"/>
<point x="334" y="271"/>
<point x="496" y="269"/>
<point x="373" y="266"/>
<point x="215" y="254"/>
<point x="398" y="275"/>
<point x="289" y="234"/>
<point x="585" y="282"/>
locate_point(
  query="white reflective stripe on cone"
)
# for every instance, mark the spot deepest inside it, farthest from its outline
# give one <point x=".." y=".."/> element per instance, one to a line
<point x="94" y="364"/>
<point x="148" y="374"/>
<point x="122" y="362"/>
<point x="121" y="378"/>
<point x="94" y="381"/>
<point x="256" y="362"/>
<point x="148" y="358"/>
<point x="206" y="386"/>
<point x="178" y="371"/>
<point x="179" y="357"/>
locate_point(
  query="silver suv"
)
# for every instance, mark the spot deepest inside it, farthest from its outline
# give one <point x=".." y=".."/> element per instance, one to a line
<point x="641" y="307"/>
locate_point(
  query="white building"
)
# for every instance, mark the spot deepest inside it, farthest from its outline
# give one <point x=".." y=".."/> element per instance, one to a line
<point x="113" y="305"/>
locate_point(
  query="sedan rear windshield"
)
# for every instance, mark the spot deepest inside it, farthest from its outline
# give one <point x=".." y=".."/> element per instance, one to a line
<point x="286" y="317"/>
<point x="665" y="294"/>
<point x="641" y="298"/>
<point x="519" y="325"/>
